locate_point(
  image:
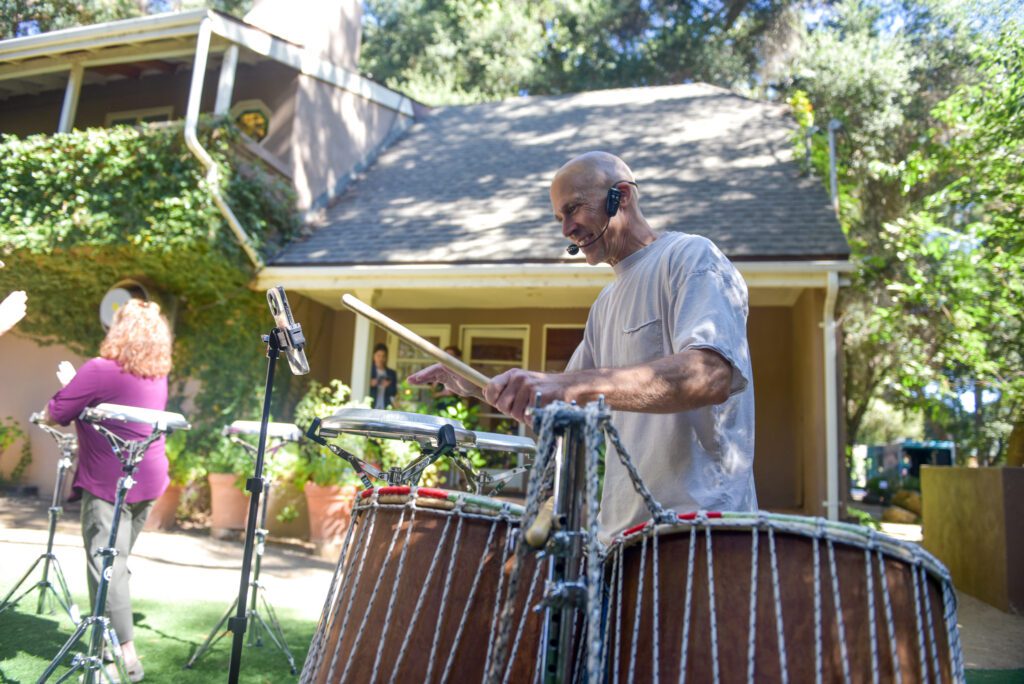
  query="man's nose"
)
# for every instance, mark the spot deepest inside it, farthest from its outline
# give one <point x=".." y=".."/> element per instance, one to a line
<point x="567" y="226"/>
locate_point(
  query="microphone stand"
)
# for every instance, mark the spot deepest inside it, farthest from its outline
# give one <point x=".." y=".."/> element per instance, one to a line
<point x="277" y="341"/>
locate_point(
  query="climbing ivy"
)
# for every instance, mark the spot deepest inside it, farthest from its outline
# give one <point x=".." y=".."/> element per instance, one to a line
<point x="80" y="211"/>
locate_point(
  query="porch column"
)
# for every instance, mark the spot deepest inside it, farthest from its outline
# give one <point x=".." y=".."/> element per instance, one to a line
<point x="71" y="93"/>
<point x="362" y="337"/>
<point x="832" y="453"/>
<point x="226" y="82"/>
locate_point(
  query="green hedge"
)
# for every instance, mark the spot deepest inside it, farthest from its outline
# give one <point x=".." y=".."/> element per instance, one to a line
<point x="82" y="210"/>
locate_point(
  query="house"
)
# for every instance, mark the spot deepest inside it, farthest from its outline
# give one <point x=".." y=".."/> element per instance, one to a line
<point x="441" y="220"/>
<point x="450" y="232"/>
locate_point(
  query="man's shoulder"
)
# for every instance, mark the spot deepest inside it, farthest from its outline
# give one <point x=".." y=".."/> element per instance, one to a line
<point x="693" y="253"/>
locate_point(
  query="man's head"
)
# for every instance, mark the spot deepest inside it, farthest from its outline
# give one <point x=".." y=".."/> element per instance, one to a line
<point x="380" y="355"/>
<point x="579" y="193"/>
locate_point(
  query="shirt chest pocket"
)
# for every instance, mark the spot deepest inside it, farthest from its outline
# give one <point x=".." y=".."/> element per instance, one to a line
<point x="640" y="341"/>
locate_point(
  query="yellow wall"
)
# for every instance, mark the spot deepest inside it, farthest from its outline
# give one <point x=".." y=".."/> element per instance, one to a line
<point x="809" y="397"/>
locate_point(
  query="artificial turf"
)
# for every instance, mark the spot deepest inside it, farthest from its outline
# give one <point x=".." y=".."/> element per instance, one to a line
<point x="166" y="635"/>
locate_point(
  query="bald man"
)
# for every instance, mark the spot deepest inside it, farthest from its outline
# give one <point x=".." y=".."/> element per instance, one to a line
<point x="665" y="344"/>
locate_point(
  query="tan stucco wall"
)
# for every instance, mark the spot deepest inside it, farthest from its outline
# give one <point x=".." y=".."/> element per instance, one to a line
<point x="333" y="131"/>
<point x="27" y="381"/>
<point x="971" y="522"/>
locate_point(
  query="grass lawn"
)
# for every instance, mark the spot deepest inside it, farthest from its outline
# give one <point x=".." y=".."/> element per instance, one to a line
<point x="166" y="634"/>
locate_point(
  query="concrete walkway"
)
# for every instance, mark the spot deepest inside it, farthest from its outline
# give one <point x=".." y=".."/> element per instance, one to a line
<point x="193" y="566"/>
<point x="166" y="565"/>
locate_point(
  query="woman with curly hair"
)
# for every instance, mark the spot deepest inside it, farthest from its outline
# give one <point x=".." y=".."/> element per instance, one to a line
<point x="131" y="370"/>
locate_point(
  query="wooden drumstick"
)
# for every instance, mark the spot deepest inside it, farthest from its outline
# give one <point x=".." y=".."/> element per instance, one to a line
<point x="453" y="364"/>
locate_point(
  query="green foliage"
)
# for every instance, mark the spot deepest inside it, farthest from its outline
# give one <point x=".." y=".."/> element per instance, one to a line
<point x="317" y="464"/>
<point x="86" y="209"/>
<point x="23" y="17"/>
<point x="455" y="51"/>
<point x="11" y="432"/>
<point x="864" y="518"/>
<point x="183" y="464"/>
<point x="929" y="181"/>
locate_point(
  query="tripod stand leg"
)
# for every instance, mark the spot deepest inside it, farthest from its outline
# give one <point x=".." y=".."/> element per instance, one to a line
<point x="274" y="631"/>
<point x="64" y="596"/>
<point x="214" y="637"/>
<point x="62" y="653"/>
<point x="7" y="603"/>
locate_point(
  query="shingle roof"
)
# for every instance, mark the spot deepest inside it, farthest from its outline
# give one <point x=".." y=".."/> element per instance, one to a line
<point x="468" y="184"/>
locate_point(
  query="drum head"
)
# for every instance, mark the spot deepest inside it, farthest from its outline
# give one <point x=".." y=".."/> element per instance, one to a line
<point x="392" y="425"/>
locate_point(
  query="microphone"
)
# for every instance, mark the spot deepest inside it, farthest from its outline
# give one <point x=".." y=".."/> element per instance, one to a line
<point x="574" y="249"/>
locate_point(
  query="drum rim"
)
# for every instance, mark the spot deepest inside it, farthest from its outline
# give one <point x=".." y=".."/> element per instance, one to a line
<point x="368" y="497"/>
<point x="806" y="526"/>
<point x="389" y="424"/>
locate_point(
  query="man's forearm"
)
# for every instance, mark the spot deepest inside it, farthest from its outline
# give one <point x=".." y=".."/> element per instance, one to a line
<point x="681" y="382"/>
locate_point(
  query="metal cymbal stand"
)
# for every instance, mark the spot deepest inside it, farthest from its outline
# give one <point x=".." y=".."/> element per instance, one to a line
<point x="68" y="445"/>
<point x="273" y="627"/>
<point x="129" y="452"/>
<point x="566" y="591"/>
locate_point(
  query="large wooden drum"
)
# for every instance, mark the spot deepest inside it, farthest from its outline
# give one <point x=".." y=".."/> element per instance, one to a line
<point x="419" y="592"/>
<point x="769" y="598"/>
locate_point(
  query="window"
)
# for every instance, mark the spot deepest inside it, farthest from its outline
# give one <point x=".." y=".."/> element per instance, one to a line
<point x="134" y="117"/>
<point x="560" y="341"/>
<point x="494" y="349"/>
<point x="407" y="359"/>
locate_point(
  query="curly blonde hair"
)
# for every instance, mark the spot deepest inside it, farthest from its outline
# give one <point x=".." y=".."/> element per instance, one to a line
<point x="139" y="340"/>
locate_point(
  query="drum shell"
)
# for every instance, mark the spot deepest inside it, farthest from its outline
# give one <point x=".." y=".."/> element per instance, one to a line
<point x="732" y="553"/>
<point x="380" y="535"/>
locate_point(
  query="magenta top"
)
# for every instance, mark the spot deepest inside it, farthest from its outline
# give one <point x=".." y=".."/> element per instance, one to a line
<point x="101" y="381"/>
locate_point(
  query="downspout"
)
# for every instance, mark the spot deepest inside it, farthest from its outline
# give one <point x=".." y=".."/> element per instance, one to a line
<point x="195" y="95"/>
<point x="831" y="402"/>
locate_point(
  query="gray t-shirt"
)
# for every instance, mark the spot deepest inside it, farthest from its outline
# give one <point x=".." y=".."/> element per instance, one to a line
<point x="678" y="293"/>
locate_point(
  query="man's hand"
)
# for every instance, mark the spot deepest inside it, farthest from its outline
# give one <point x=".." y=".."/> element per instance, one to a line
<point x="65" y="373"/>
<point x="431" y="375"/>
<point x="516" y="390"/>
<point x="12" y="310"/>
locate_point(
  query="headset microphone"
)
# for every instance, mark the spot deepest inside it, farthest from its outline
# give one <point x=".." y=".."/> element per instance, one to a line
<point x="611" y="207"/>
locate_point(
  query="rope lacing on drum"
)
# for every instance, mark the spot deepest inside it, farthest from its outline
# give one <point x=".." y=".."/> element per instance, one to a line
<point x="755" y="534"/>
<point x="819" y="532"/>
<point x="780" y="632"/>
<point x="838" y="605"/>
<point x="870" y="591"/>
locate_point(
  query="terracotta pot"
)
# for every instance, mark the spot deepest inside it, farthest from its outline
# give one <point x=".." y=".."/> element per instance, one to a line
<point x="286" y="494"/>
<point x="165" y="510"/>
<point x="330" y="510"/>
<point x="229" y="506"/>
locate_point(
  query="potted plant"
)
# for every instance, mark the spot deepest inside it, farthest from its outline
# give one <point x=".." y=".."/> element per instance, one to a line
<point x="183" y="467"/>
<point x="227" y="466"/>
<point x="329" y="483"/>
<point x="287" y="513"/>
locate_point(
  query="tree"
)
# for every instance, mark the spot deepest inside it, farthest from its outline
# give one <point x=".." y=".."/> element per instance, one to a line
<point x="452" y="51"/>
<point x="930" y="301"/>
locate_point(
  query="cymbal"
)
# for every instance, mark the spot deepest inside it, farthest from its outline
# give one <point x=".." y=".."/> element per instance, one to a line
<point x="389" y="424"/>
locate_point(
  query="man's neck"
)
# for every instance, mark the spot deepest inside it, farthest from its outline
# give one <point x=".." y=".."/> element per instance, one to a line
<point x="637" y="236"/>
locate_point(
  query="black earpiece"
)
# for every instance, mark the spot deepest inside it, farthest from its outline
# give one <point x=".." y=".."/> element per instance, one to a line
<point x="611" y="203"/>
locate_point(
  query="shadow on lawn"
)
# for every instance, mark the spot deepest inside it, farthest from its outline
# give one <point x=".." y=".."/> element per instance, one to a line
<point x="27" y="636"/>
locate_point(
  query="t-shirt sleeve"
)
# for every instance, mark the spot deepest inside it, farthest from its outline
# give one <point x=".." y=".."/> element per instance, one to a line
<point x="710" y="312"/>
<point x="67" y="404"/>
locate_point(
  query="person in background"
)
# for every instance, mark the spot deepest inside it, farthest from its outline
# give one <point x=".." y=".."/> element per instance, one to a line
<point x="383" y="380"/>
<point x="131" y="370"/>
